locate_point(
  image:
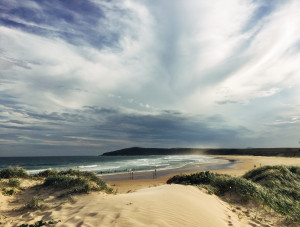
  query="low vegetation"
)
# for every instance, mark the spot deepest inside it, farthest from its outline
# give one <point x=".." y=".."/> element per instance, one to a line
<point x="34" y="203"/>
<point x="274" y="186"/>
<point x="76" y="181"/>
<point x="14" y="182"/>
<point x="38" y="223"/>
<point x="9" y="191"/>
<point x="47" y="173"/>
<point x="73" y="181"/>
<point x="10" y="179"/>
<point x="13" y="172"/>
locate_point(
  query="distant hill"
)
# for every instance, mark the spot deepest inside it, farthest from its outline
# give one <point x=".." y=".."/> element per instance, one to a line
<point x="149" y="151"/>
<point x="284" y="152"/>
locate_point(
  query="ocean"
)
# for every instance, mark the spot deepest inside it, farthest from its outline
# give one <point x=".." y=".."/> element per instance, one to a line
<point x="105" y="164"/>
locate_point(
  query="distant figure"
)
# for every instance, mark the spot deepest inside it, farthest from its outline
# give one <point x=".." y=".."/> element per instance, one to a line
<point x="254" y="166"/>
<point x="130" y="175"/>
<point x="154" y="174"/>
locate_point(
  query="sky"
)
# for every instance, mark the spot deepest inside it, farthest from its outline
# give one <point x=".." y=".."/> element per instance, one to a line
<point x="87" y="77"/>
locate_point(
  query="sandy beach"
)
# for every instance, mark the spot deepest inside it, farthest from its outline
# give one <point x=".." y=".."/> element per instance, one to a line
<point x="141" y="202"/>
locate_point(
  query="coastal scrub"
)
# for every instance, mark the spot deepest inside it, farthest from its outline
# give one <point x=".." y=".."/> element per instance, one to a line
<point x="75" y="181"/>
<point x="274" y="186"/>
<point x="13" y="172"/>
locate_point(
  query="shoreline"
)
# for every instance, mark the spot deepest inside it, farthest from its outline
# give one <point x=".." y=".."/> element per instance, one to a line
<point x="144" y="201"/>
<point x="109" y="166"/>
<point x="237" y="165"/>
<point x="221" y="163"/>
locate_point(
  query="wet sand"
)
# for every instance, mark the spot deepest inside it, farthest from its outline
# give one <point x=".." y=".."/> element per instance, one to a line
<point x="220" y="164"/>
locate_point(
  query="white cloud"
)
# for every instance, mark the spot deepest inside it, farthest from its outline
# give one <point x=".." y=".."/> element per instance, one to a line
<point x="98" y="71"/>
<point x="266" y="66"/>
<point x="195" y="57"/>
<point x="271" y="58"/>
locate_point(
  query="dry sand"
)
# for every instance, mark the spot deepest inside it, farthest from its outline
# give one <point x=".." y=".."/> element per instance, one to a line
<point x="246" y="163"/>
<point x="138" y="203"/>
<point x="166" y="205"/>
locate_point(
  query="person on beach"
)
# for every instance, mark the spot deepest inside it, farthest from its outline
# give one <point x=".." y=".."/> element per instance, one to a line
<point x="154" y="174"/>
<point x="131" y="175"/>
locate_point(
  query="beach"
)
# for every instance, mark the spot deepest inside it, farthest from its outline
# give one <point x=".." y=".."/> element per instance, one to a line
<point x="141" y="202"/>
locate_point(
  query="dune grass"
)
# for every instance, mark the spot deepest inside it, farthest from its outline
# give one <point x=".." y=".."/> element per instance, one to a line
<point x="10" y="179"/>
<point x="47" y="173"/>
<point x="75" y="181"/>
<point x="34" y="203"/>
<point x="13" y="172"/>
<point x="274" y="186"/>
<point x="14" y="182"/>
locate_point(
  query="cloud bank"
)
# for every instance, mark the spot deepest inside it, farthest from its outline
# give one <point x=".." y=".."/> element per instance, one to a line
<point x="93" y="76"/>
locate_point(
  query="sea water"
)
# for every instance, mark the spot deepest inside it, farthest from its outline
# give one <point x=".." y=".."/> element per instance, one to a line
<point x="104" y="164"/>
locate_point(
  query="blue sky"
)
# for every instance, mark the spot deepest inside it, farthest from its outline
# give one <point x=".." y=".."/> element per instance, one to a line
<point x="86" y="77"/>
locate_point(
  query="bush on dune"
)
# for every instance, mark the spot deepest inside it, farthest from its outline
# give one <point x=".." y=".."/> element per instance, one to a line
<point x="221" y="184"/>
<point x="282" y="184"/>
<point x="247" y="190"/>
<point x="14" y="182"/>
<point x="281" y="179"/>
<point x="74" y="181"/>
<point x="196" y="178"/>
<point x="47" y="173"/>
<point x="77" y="181"/>
<point x="13" y="172"/>
<point x="274" y="186"/>
<point x="34" y="203"/>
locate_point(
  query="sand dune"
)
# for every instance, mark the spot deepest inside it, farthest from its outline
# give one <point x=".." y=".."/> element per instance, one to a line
<point x="166" y="205"/>
<point x="148" y="203"/>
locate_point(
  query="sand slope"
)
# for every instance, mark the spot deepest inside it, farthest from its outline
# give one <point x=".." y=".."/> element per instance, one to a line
<point x="166" y="205"/>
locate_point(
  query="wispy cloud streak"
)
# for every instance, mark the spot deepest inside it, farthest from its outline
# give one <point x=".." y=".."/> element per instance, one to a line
<point x="99" y="75"/>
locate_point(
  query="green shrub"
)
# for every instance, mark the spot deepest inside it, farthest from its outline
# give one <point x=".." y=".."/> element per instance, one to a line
<point x="65" y="182"/>
<point x="34" y="203"/>
<point x="245" y="189"/>
<point x="14" y="182"/>
<point x="274" y="186"/>
<point x="271" y="175"/>
<point x="47" y="173"/>
<point x="38" y="223"/>
<point x="295" y="170"/>
<point x="197" y="178"/>
<point x="282" y="184"/>
<point x="71" y="172"/>
<point x="281" y="179"/>
<point x="13" y="172"/>
<point x="10" y="192"/>
<point x="77" y="182"/>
